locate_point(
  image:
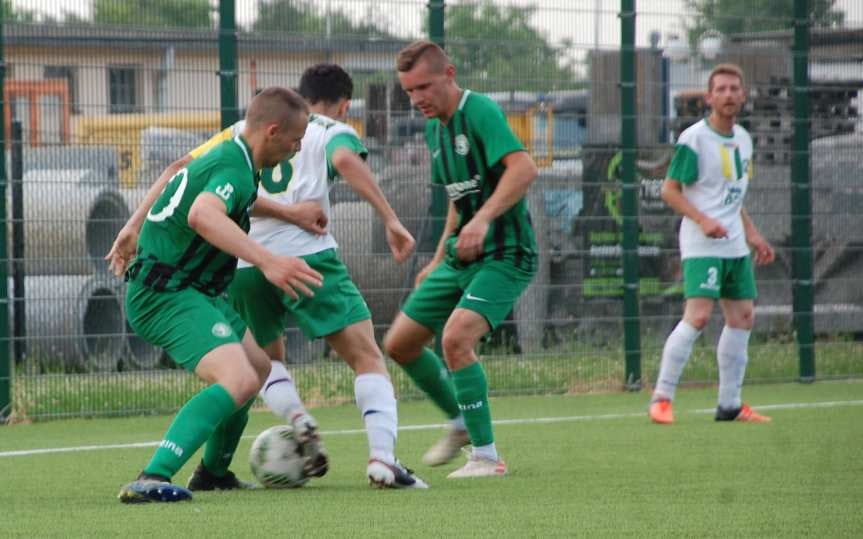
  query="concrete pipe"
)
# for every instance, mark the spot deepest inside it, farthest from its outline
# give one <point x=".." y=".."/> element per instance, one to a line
<point x="137" y="353"/>
<point x="101" y="344"/>
<point x="68" y="227"/>
<point x="73" y="321"/>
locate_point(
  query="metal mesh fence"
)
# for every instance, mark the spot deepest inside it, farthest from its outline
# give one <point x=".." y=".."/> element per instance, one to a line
<point x="109" y="92"/>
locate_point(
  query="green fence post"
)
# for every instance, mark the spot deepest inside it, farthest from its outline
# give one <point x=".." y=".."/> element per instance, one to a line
<point x="5" y="356"/>
<point x="436" y="18"/>
<point x="16" y="219"/>
<point x="801" y="198"/>
<point x="629" y="201"/>
<point x="438" y="196"/>
<point x="438" y="208"/>
<point x="228" y="63"/>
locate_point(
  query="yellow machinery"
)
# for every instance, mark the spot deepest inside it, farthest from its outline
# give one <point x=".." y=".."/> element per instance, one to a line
<point x="124" y="131"/>
<point x="538" y="140"/>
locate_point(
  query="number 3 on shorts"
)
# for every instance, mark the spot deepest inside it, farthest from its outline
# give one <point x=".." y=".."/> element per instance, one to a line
<point x="712" y="277"/>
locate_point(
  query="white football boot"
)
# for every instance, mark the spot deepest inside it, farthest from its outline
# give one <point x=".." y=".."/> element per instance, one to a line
<point x="383" y="475"/>
<point x="306" y="434"/>
<point x="447" y="448"/>
<point x="479" y="467"/>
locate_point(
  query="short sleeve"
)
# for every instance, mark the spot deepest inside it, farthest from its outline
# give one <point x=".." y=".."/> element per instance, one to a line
<point x="492" y="130"/>
<point x="684" y="165"/>
<point x="234" y="186"/>
<point x="343" y="140"/>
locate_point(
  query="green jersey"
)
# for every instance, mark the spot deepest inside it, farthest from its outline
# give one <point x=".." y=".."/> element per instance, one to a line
<point x="466" y="159"/>
<point x="171" y="255"/>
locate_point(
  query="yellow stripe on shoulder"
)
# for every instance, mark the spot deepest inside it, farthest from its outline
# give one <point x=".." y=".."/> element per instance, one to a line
<point x="215" y="140"/>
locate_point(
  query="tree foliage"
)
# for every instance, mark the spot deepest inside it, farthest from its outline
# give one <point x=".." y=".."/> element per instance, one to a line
<point x="16" y="15"/>
<point x="736" y="16"/>
<point x="495" y="48"/>
<point x="153" y="13"/>
<point x="307" y="17"/>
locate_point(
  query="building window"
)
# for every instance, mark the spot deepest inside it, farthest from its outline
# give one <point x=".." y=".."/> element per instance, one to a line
<point x="122" y="89"/>
<point x="67" y="73"/>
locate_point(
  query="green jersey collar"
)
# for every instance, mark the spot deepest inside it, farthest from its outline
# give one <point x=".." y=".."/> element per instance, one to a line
<point x="723" y="135"/>
<point x="463" y="99"/>
<point x="247" y="151"/>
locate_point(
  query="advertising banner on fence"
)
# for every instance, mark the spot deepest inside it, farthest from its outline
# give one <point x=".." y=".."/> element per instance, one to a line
<point x="601" y="224"/>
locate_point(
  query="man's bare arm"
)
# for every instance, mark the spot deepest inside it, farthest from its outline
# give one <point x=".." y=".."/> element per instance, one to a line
<point x="126" y="243"/>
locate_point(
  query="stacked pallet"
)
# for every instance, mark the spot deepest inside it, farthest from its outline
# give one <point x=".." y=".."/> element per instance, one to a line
<point x="768" y="115"/>
<point x="689" y="108"/>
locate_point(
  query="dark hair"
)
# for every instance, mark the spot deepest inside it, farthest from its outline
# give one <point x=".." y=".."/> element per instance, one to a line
<point x="326" y="82"/>
<point x="423" y="48"/>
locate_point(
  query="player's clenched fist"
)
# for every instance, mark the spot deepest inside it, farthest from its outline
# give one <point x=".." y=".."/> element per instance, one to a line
<point x="291" y="274"/>
<point x="470" y="240"/>
<point x="400" y="240"/>
<point x="713" y="228"/>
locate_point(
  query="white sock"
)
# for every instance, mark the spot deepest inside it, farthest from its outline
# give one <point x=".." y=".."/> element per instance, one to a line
<point x="280" y="393"/>
<point x="377" y="402"/>
<point x="675" y="354"/>
<point x="732" y="357"/>
<point x="458" y="423"/>
<point x="487" y="452"/>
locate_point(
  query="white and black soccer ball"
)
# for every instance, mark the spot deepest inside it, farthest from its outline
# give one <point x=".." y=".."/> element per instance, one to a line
<point x="277" y="459"/>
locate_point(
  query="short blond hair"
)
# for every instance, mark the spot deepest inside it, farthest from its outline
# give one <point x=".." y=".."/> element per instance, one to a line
<point x="725" y="69"/>
<point x="277" y="105"/>
<point x="409" y="56"/>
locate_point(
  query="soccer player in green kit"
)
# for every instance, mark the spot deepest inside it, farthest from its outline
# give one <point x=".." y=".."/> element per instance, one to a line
<point x="187" y="254"/>
<point x="485" y="259"/>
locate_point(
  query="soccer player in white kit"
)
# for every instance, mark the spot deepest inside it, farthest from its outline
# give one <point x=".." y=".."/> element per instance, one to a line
<point x="706" y="184"/>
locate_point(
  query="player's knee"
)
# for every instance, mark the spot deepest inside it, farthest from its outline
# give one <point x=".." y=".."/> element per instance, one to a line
<point x="698" y="320"/>
<point x="388" y="346"/>
<point x="454" y="345"/>
<point x="243" y="382"/>
<point x="743" y="319"/>
<point x="396" y="348"/>
<point x="249" y="386"/>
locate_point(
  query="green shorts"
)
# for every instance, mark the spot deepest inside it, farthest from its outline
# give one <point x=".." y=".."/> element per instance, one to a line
<point x="709" y="277"/>
<point x="489" y="288"/>
<point x="265" y="307"/>
<point x="187" y="324"/>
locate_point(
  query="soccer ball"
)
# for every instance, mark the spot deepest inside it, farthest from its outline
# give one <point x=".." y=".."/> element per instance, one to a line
<point x="277" y="459"/>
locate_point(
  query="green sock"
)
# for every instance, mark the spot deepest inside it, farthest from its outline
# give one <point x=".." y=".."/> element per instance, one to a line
<point x="471" y="390"/>
<point x="224" y="440"/>
<point x="195" y="422"/>
<point x="430" y="374"/>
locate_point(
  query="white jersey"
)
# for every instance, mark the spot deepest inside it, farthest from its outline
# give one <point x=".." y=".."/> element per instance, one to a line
<point x="715" y="171"/>
<point x="305" y="177"/>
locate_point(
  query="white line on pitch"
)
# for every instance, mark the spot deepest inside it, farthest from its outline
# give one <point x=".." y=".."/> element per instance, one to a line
<point x="525" y="421"/>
